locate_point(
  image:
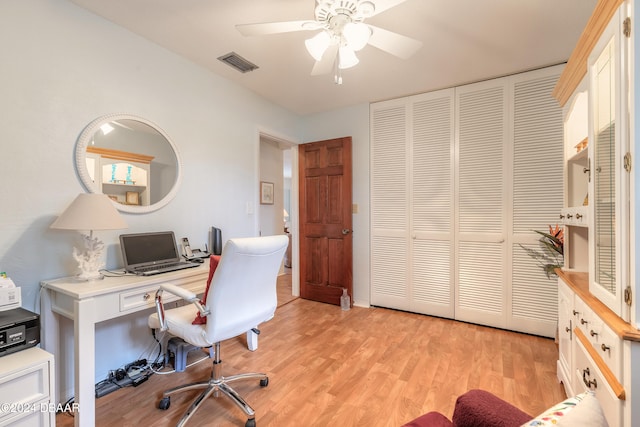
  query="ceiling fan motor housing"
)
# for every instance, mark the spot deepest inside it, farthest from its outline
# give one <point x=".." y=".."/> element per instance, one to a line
<point x="354" y="10"/>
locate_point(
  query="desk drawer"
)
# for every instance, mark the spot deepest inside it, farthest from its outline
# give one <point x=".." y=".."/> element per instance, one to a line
<point x="141" y="298"/>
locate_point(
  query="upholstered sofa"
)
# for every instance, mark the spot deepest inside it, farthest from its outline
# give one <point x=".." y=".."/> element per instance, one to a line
<point x="479" y="408"/>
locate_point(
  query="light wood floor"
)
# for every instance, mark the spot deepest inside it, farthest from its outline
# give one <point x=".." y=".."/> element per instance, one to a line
<point x="373" y="367"/>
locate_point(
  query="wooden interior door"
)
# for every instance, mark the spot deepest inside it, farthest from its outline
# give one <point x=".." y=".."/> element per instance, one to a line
<point x="326" y="244"/>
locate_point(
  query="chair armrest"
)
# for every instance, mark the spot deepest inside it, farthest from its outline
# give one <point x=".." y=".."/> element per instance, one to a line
<point x="479" y="408"/>
<point x="179" y="292"/>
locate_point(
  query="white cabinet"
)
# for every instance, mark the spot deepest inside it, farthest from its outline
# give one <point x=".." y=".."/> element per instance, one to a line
<point x="602" y="354"/>
<point x="26" y="389"/>
<point x="460" y="178"/>
<point x="607" y="350"/>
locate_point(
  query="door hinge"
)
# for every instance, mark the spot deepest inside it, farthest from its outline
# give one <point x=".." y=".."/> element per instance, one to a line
<point x="627" y="296"/>
<point x="627" y="162"/>
<point x="626" y="27"/>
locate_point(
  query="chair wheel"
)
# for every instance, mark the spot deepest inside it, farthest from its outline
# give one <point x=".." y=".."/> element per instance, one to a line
<point x="164" y="404"/>
<point x="250" y="423"/>
<point x="264" y="382"/>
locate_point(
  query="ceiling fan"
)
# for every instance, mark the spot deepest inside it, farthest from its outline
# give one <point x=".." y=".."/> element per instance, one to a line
<point x="342" y="33"/>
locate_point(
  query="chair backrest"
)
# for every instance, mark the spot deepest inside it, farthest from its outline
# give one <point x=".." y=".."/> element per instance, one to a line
<point x="243" y="293"/>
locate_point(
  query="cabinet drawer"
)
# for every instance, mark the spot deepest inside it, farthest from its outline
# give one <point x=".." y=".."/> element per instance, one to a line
<point x="23" y="383"/>
<point x="589" y="377"/>
<point x="576" y="215"/>
<point x="602" y="338"/>
<point x="40" y="416"/>
<point x="607" y="345"/>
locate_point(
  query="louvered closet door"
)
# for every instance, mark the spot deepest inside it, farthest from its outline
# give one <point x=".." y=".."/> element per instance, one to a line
<point x="389" y="204"/>
<point x="537" y="197"/>
<point x="431" y="222"/>
<point x="481" y="135"/>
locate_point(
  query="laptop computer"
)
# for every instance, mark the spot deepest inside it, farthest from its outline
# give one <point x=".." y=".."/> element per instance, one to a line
<point x="146" y="254"/>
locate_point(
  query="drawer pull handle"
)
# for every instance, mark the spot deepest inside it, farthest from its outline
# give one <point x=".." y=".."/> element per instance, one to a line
<point x="569" y="216"/>
<point x="578" y="216"/>
<point x="567" y="329"/>
<point x="605" y="347"/>
<point x="561" y="216"/>
<point x="146" y="297"/>
<point x="588" y="382"/>
<point x="575" y="313"/>
<point x="593" y="333"/>
<point x="583" y="322"/>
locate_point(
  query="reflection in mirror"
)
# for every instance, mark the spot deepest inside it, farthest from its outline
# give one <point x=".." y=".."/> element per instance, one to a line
<point x="131" y="160"/>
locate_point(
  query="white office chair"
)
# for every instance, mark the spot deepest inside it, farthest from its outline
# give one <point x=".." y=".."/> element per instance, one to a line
<point x="242" y="295"/>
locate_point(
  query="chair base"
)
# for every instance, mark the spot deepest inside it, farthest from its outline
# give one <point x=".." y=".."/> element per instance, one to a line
<point x="213" y="386"/>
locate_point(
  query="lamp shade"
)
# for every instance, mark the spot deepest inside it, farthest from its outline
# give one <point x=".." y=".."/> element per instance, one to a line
<point x="357" y="35"/>
<point x="90" y="211"/>
<point x="347" y="58"/>
<point x="318" y="44"/>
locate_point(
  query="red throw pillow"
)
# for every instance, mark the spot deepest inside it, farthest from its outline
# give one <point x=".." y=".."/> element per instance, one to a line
<point x="213" y="264"/>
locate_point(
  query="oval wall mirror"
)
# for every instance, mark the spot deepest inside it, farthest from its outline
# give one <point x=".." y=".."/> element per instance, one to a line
<point x="129" y="159"/>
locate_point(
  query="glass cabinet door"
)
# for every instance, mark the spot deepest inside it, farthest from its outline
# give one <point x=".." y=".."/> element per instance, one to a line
<point x="609" y="186"/>
<point x="603" y="171"/>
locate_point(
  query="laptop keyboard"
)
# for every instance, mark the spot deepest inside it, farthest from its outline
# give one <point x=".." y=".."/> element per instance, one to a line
<point x="165" y="267"/>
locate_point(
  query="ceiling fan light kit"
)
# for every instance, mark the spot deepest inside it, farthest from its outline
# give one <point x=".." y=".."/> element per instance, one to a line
<point x="343" y="33"/>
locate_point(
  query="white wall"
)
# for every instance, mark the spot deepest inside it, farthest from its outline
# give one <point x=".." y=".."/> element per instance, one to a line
<point x="354" y="122"/>
<point x="61" y="68"/>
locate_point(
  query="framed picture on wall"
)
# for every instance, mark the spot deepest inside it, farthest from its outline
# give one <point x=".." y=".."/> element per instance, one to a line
<point x="266" y="193"/>
<point x="133" y="198"/>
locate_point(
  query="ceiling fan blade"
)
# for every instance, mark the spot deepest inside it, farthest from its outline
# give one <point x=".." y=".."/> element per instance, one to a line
<point x="325" y="65"/>
<point x="265" y="28"/>
<point x="382" y="5"/>
<point x="393" y="43"/>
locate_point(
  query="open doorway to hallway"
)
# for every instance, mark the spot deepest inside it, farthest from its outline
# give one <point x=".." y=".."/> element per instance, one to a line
<point x="278" y="215"/>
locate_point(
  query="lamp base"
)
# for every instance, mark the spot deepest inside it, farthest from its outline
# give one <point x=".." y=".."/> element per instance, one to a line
<point x="90" y="261"/>
<point x="89" y="276"/>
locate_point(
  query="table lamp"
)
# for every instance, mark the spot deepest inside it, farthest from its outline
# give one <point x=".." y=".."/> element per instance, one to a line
<point x="89" y="212"/>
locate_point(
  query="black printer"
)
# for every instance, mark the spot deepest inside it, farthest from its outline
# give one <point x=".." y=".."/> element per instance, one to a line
<point x="19" y="330"/>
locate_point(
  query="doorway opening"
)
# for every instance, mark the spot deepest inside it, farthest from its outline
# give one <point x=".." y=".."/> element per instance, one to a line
<point x="279" y="214"/>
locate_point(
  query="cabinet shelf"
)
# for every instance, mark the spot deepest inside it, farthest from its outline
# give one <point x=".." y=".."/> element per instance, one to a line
<point x="109" y="187"/>
<point x="580" y="157"/>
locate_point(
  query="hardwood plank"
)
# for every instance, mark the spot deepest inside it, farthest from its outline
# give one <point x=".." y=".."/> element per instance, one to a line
<point x="372" y="366"/>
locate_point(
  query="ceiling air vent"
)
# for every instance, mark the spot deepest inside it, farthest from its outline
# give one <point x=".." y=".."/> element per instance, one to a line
<point x="238" y="62"/>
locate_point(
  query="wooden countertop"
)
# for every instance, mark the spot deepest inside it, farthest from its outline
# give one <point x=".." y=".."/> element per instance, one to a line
<point x="579" y="283"/>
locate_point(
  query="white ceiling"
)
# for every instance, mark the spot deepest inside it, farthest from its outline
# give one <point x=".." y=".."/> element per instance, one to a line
<point x="463" y="41"/>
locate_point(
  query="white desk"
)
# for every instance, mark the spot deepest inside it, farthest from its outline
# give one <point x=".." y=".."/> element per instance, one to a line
<point x="88" y="303"/>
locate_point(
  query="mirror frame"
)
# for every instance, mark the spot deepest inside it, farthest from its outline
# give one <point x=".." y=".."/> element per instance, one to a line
<point x="85" y="139"/>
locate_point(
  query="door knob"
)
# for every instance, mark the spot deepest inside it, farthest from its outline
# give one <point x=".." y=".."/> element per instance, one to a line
<point x="345" y="231"/>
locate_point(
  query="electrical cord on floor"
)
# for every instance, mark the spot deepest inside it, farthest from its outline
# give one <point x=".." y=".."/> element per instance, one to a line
<point x="67" y="404"/>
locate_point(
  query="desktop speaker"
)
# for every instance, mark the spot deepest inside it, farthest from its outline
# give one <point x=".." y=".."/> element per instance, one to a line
<point x="215" y="241"/>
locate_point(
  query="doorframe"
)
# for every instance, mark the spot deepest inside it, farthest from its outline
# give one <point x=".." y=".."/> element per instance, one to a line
<point x="292" y="144"/>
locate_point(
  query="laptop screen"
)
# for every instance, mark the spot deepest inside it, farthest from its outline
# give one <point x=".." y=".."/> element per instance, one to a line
<point x="148" y="248"/>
